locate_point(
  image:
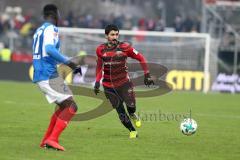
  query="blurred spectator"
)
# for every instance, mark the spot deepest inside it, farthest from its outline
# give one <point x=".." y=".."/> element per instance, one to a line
<point x="1" y="26"/>
<point x="188" y="24"/>
<point x="151" y="24"/>
<point x="81" y="23"/>
<point x="128" y="23"/>
<point x="197" y="24"/>
<point x="18" y="21"/>
<point x="119" y="20"/>
<point x="178" y="24"/>
<point x="160" y="25"/>
<point x="25" y="29"/>
<point x="142" y="24"/>
<point x="70" y="19"/>
<point x="5" y="54"/>
<point x="5" y="23"/>
<point x="89" y="21"/>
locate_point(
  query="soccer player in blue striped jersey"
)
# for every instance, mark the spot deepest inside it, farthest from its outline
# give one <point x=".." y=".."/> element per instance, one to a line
<point x="46" y="56"/>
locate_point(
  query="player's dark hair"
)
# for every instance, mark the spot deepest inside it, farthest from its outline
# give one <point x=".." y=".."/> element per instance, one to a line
<point x="111" y="27"/>
<point x="50" y="10"/>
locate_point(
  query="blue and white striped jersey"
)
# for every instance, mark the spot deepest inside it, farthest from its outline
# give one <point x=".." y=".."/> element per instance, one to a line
<point x="46" y="55"/>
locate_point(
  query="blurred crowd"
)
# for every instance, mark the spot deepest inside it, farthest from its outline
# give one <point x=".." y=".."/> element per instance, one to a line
<point x="16" y="24"/>
<point x="13" y="20"/>
<point x="25" y="25"/>
<point x="180" y="24"/>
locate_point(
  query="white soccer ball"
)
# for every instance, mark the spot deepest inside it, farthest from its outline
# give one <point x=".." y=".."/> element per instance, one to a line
<point x="188" y="126"/>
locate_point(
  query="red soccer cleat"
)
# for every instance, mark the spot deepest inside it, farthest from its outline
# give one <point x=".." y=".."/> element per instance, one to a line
<point x="42" y="145"/>
<point x="53" y="144"/>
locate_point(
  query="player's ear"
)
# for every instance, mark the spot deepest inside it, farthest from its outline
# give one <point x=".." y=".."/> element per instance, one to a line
<point x="106" y="36"/>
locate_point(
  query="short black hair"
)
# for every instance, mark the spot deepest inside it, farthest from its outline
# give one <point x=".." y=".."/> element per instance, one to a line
<point x="111" y="27"/>
<point x="50" y="10"/>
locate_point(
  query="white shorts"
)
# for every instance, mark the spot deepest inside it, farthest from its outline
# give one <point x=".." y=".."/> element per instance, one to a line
<point x="55" y="90"/>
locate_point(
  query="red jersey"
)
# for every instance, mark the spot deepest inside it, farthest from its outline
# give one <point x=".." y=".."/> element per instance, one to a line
<point x="112" y="63"/>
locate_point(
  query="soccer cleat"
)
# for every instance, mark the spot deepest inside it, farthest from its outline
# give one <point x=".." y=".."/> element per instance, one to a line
<point x="136" y="120"/>
<point x="54" y="145"/>
<point x="133" y="134"/>
<point x="42" y="145"/>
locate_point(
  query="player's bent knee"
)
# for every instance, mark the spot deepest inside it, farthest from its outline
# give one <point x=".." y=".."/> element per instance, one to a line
<point x="74" y="106"/>
<point x="69" y="103"/>
<point x="131" y="109"/>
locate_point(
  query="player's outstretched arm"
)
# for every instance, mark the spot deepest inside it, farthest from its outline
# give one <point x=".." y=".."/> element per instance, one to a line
<point x="53" y="52"/>
<point x="138" y="56"/>
<point x="147" y="77"/>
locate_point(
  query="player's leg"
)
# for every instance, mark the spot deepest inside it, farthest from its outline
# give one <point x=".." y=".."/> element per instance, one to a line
<point x="128" y="96"/>
<point x="124" y="117"/>
<point x="117" y="103"/>
<point x="69" y="108"/>
<point x="51" y="125"/>
<point x="56" y="91"/>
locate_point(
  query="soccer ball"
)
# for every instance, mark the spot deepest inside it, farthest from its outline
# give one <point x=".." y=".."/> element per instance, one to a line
<point x="188" y="126"/>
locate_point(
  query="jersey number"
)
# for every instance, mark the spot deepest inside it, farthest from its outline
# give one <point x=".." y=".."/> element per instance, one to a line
<point x="37" y="45"/>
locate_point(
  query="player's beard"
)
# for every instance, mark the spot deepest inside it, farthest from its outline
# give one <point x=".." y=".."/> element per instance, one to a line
<point x="114" y="42"/>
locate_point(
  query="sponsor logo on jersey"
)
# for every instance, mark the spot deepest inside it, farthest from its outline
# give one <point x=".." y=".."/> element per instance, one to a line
<point x="135" y="51"/>
<point x="118" y="52"/>
<point x="111" y="63"/>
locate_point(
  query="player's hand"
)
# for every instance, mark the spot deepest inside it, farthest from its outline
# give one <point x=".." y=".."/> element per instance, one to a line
<point x="75" y="67"/>
<point x="77" y="70"/>
<point x="148" y="80"/>
<point x="72" y="64"/>
<point x="96" y="87"/>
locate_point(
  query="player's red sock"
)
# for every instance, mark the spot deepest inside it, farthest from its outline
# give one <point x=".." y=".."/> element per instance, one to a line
<point x="62" y="122"/>
<point x="51" y="125"/>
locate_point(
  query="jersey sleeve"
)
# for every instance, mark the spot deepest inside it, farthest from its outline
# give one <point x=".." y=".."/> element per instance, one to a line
<point x="99" y="66"/>
<point x="50" y="35"/>
<point x="133" y="53"/>
<point x="50" y="42"/>
<point x="55" y="54"/>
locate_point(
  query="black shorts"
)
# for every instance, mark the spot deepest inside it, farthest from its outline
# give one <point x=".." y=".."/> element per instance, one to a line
<point x="124" y="93"/>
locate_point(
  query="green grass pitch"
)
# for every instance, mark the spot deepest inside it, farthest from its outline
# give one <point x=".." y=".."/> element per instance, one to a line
<point x="25" y="114"/>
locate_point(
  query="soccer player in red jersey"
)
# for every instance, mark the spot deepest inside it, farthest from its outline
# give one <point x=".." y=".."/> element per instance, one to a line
<point x="118" y="88"/>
